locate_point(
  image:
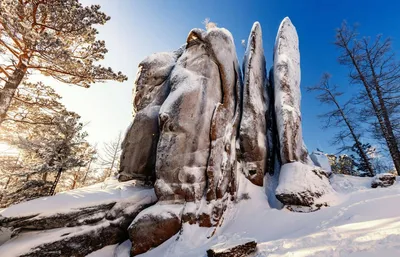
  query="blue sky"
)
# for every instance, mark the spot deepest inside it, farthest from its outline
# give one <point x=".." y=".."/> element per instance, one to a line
<point x="138" y="28"/>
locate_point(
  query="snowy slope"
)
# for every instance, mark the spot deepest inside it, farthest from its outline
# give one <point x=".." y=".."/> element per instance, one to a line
<point x="365" y="222"/>
<point x="65" y="202"/>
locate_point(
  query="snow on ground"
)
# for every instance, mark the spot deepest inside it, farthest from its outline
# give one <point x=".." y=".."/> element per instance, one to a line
<point x="101" y="193"/>
<point x="366" y="222"/>
<point x="107" y="251"/>
<point x="28" y="240"/>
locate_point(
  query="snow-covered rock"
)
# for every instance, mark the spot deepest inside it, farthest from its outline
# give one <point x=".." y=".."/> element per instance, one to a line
<point x="73" y="223"/>
<point x="253" y="125"/>
<point x="286" y="73"/>
<point x="383" y="180"/>
<point x="185" y="123"/>
<point x="321" y="160"/>
<point x="199" y="120"/>
<point x="154" y="226"/>
<point x="151" y="89"/>
<point x="303" y="187"/>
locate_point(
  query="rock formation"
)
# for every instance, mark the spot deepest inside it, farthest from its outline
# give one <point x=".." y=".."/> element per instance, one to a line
<point x="253" y="125"/>
<point x="196" y="127"/>
<point x="197" y="124"/>
<point x="287" y="93"/>
<point x="140" y="144"/>
<point x="302" y="187"/>
<point x="204" y="123"/>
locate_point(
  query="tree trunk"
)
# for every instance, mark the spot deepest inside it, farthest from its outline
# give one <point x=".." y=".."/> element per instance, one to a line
<point x="53" y="187"/>
<point x="353" y="134"/>
<point x="391" y="139"/>
<point x="87" y="172"/>
<point x="7" y="183"/>
<point x="44" y="177"/>
<point x="74" y="182"/>
<point x="7" y="93"/>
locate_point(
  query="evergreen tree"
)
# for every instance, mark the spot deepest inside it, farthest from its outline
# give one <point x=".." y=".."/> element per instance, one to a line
<point x="57" y="149"/>
<point x="55" y="38"/>
<point x="360" y="163"/>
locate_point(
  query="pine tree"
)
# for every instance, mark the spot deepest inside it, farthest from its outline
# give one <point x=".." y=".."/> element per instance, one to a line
<point x="55" y="38"/>
<point x="49" y="137"/>
<point x="57" y="149"/>
<point x="362" y="164"/>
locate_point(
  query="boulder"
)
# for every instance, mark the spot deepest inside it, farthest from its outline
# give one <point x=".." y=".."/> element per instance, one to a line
<point x="286" y="77"/>
<point x="303" y="188"/>
<point x="154" y="226"/>
<point x="152" y="87"/>
<point x="321" y="160"/>
<point x="383" y="180"/>
<point x="234" y="248"/>
<point x="253" y="125"/>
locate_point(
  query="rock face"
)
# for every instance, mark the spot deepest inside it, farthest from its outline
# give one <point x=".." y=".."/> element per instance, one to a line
<point x="253" y="125"/>
<point x="383" y="180"/>
<point x="152" y="87"/>
<point x="286" y="74"/>
<point x="186" y="119"/>
<point x="238" y="248"/>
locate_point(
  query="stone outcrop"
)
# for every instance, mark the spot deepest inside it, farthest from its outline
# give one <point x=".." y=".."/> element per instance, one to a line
<point x="253" y="125"/>
<point x="198" y="124"/>
<point x="286" y="72"/>
<point x="302" y="186"/>
<point x="383" y="180"/>
<point x="152" y="87"/>
<point x="237" y="248"/>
